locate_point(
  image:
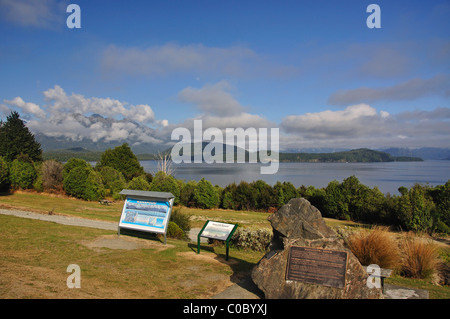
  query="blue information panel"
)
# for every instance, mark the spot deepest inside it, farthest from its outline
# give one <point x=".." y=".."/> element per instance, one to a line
<point x="145" y="215"/>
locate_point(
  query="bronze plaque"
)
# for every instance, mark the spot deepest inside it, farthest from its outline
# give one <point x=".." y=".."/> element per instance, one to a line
<point x="317" y="266"/>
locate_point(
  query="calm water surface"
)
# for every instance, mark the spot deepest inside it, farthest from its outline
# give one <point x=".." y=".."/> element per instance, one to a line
<point x="388" y="177"/>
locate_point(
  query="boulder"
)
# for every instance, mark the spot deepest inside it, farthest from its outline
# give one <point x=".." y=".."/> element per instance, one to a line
<point x="299" y="223"/>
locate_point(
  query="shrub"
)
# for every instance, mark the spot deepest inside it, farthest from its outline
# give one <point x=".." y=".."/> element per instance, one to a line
<point x="419" y="258"/>
<point x="254" y="239"/>
<point x="182" y="220"/>
<point x="85" y="183"/>
<point x="139" y="183"/>
<point x="52" y="176"/>
<point x="375" y="246"/>
<point x="22" y="174"/>
<point x="4" y="175"/>
<point x="174" y="231"/>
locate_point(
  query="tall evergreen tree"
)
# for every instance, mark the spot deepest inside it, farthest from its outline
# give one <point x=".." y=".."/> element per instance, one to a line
<point x="16" y="139"/>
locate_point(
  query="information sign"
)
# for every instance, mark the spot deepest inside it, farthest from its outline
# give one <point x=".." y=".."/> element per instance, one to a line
<point x="218" y="231"/>
<point x="146" y="211"/>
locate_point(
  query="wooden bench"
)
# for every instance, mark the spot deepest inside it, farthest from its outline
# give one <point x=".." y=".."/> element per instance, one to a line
<point x="105" y="202"/>
<point x="384" y="273"/>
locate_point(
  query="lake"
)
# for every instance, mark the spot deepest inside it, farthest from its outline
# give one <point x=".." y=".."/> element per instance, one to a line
<point x="387" y="176"/>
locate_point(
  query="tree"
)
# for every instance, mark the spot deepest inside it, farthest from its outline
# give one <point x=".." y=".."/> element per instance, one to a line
<point x="336" y="205"/>
<point x="228" y="197"/>
<point x="244" y="197"/>
<point x="187" y="193"/>
<point x="265" y="195"/>
<point x="122" y="159"/>
<point x="165" y="163"/>
<point x="16" y="139"/>
<point x="422" y="207"/>
<point x="205" y="195"/>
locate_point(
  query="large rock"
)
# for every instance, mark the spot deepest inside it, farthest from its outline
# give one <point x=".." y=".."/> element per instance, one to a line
<point x="298" y="223"/>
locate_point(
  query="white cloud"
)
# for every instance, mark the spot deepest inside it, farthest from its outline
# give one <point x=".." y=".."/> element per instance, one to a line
<point x="172" y="58"/>
<point x="76" y="117"/>
<point x="31" y="108"/>
<point x="47" y="14"/>
<point x="77" y="103"/>
<point x="362" y="125"/>
<point x="348" y="122"/>
<point x="212" y="99"/>
<point x="409" y="90"/>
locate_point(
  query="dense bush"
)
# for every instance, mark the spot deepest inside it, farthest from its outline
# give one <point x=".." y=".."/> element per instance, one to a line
<point x="166" y="183"/>
<point x="139" y="183"/>
<point x="113" y="181"/>
<point x="72" y="163"/>
<point x="4" y="175"/>
<point x="205" y="195"/>
<point x="85" y="183"/>
<point x="441" y="198"/>
<point x="187" y="194"/>
<point x="22" y="174"/>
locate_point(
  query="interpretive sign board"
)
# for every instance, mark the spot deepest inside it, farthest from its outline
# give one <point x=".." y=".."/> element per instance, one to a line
<point x="317" y="266"/>
<point x="218" y="231"/>
<point x="146" y="211"/>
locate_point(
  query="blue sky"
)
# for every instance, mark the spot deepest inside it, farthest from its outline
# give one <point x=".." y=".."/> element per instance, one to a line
<point x="311" y="68"/>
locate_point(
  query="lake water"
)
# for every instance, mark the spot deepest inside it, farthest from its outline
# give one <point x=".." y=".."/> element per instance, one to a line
<point x="388" y="176"/>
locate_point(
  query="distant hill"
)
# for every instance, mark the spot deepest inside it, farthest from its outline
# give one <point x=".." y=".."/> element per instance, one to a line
<point x="362" y="155"/>
<point x="427" y="153"/>
<point x="65" y="154"/>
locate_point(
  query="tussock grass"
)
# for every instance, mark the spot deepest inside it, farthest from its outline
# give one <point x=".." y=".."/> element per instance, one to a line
<point x="420" y="258"/>
<point x="375" y="246"/>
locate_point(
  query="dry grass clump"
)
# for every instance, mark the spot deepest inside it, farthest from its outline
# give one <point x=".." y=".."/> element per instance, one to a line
<point x="420" y="258"/>
<point x="375" y="246"/>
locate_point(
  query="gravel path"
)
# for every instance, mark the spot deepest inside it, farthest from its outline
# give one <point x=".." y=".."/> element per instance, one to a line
<point x="83" y="222"/>
<point x="66" y="220"/>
